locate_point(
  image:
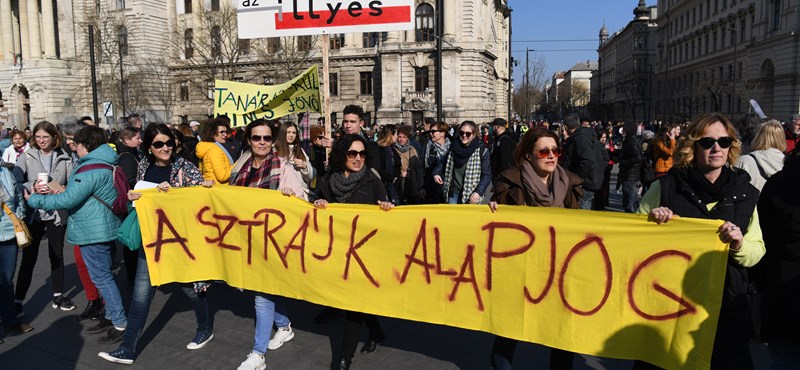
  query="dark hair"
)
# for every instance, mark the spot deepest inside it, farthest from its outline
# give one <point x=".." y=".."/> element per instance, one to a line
<point x="91" y="137"/>
<point x="338" y="158"/>
<point x="185" y="130"/>
<point x="353" y="109"/>
<point x="83" y="119"/>
<point x="500" y="121"/>
<point x="48" y="128"/>
<point x="468" y="123"/>
<point x="572" y="121"/>
<point x="250" y="126"/>
<point x="126" y="133"/>
<point x="527" y="143"/>
<point x="210" y="128"/>
<point x="428" y="121"/>
<point x="150" y="134"/>
<point x="663" y="135"/>
<point x="406" y="130"/>
<point x="317" y="130"/>
<point x="282" y="145"/>
<point x="178" y="140"/>
<point x="385" y="135"/>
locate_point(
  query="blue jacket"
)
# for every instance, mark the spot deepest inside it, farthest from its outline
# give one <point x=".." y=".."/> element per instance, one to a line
<point x="13" y="198"/>
<point x="89" y="222"/>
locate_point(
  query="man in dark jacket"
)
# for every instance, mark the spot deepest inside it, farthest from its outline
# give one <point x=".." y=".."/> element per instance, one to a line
<point x="504" y="145"/>
<point x="584" y="156"/>
<point x="353" y="123"/>
<point x="630" y="168"/>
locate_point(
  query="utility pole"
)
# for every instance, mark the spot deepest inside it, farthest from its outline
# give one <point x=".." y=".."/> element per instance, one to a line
<point x="94" y="72"/>
<point x="121" y="78"/>
<point x="439" y="69"/>
<point x="510" y="69"/>
<point x="527" y="86"/>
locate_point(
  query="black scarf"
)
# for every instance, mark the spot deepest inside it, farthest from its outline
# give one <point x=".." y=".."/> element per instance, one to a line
<point x="705" y="190"/>
<point x="343" y="187"/>
<point x="461" y="154"/>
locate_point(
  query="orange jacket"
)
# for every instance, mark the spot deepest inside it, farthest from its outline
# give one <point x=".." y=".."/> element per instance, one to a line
<point x="663" y="155"/>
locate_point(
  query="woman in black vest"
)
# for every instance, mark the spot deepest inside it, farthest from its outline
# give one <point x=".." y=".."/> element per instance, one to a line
<point x="703" y="184"/>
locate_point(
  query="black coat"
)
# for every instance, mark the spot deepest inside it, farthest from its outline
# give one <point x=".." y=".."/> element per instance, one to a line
<point x="630" y="160"/>
<point x="779" y="213"/>
<point x="583" y="156"/>
<point x="128" y="162"/>
<point x="503" y="153"/>
<point x="370" y="190"/>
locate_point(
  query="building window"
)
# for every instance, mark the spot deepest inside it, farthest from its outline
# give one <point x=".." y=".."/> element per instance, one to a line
<point x="214" y="5"/>
<point x="184" y="91"/>
<point x="366" y="83"/>
<point x="244" y="46"/>
<point x="425" y="24"/>
<point x="273" y="44"/>
<point x="216" y="42"/>
<point x="120" y="4"/>
<point x="337" y="41"/>
<point x="187" y="6"/>
<point x="334" y="84"/>
<point x="123" y="40"/>
<point x="421" y="79"/>
<point x="742" y="30"/>
<point x="209" y="89"/>
<point x="303" y="43"/>
<point x="370" y="39"/>
<point x="188" y="43"/>
<point x="776" y="15"/>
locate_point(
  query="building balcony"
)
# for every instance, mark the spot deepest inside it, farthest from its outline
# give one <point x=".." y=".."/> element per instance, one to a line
<point x="419" y="100"/>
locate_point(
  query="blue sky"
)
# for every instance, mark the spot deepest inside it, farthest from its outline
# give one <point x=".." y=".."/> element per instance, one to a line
<point x="534" y="20"/>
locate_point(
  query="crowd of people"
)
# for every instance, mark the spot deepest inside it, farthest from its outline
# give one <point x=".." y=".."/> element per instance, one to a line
<point x="57" y="179"/>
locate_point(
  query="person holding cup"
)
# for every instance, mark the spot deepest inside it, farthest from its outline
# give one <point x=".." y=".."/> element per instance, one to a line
<point x="45" y="167"/>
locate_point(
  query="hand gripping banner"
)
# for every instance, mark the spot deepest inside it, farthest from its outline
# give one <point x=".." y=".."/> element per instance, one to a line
<point x="599" y="283"/>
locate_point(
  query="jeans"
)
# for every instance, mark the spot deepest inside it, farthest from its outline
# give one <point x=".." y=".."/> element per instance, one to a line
<point x="784" y="355"/>
<point x="8" y="263"/>
<point x="55" y="243"/>
<point x="269" y="309"/>
<point x="454" y="199"/>
<point x="98" y="260"/>
<point x="141" y="298"/>
<point x="587" y="200"/>
<point x="630" y="196"/>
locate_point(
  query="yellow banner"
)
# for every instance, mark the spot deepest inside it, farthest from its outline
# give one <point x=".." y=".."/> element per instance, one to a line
<point x="245" y="103"/>
<point x="605" y="284"/>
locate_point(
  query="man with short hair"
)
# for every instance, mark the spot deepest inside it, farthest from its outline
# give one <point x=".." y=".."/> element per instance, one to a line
<point x="86" y="120"/>
<point x="504" y="145"/>
<point x="134" y="120"/>
<point x="792" y="131"/>
<point x="353" y="123"/>
<point x="583" y="155"/>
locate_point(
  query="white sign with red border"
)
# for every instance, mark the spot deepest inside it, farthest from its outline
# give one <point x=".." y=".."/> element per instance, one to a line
<point x="277" y="18"/>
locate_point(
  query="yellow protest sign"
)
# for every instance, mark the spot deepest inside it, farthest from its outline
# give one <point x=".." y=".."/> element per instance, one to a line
<point x="598" y="283"/>
<point x="244" y="102"/>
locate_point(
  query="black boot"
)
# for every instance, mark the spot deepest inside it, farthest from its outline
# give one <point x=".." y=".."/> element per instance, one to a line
<point x="91" y="310"/>
<point x="100" y="312"/>
<point x="373" y="340"/>
<point x="341" y="364"/>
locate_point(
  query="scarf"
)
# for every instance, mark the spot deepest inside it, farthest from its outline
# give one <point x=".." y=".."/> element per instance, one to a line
<point x="440" y="150"/>
<point x="343" y="187"/>
<point x="461" y="153"/>
<point x="268" y="176"/>
<point x="230" y="159"/>
<point x="539" y="194"/>
<point x="19" y="150"/>
<point x="405" y="152"/>
<point x="705" y="190"/>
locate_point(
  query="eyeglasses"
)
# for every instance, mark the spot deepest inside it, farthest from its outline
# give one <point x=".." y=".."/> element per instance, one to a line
<point x="545" y="152"/>
<point x="258" y="138"/>
<point x="225" y="132"/>
<point x="321" y="137"/>
<point x="160" y="144"/>
<point x="724" y="142"/>
<point x="465" y="133"/>
<point x="434" y="131"/>
<point x="351" y="154"/>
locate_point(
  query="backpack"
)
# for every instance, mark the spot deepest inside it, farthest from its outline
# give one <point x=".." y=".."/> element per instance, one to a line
<point x="120" y="206"/>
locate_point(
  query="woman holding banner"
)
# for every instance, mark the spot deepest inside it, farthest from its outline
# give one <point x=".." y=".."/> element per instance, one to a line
<point x="350" y="181"/>
<point x="163" y="167"/>
<point x="467" y="171"/>
<point x="535" y="180"/>
<point x="261" y="167"/>
<point x="215" y="161"/>
<point x="704" y="184"/>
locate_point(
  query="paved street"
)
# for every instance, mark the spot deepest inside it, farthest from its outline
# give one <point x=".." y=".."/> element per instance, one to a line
<point x="60" y="342"/>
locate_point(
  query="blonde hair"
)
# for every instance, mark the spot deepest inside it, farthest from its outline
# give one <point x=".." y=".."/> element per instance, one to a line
<point x="684" y="153"/>
<point x="769" y="135"/>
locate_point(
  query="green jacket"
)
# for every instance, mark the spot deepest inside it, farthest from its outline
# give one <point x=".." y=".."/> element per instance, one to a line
<point x="89" y="222"/>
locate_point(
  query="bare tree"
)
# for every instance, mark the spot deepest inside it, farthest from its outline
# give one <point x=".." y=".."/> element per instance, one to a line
<point x="530" y="93"/>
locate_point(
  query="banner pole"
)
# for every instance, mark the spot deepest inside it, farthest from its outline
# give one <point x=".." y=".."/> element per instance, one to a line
<point x="326" y="90"/>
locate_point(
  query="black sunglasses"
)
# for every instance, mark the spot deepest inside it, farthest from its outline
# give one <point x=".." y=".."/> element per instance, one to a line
<point x="258" y="138"/>
<point x="160" y="144"/>
<point x="465" y="133"/>
<point x="353" y="153"/>
<point x="724" y="142"/>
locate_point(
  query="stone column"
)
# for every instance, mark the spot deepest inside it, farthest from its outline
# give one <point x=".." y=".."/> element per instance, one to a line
<point x="48" y="28"/>
<point x="450" y="9"/>
<point x="7" y="42"/>
<point x="34" y="33"/>
<point x="23" y="29"/>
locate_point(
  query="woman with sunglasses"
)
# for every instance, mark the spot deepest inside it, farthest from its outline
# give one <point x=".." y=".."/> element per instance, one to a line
<point x="350" y="181"/>
<point x="535" y="180"/>
<point x="468" y="170"/>
<point x="215" y="161"/>
<point x="262" y="167"/>
<point x="318" y="153"/>
<point x="703" y="184"/>
<point x="436" y="151"/>
<point x="162" y="166"/>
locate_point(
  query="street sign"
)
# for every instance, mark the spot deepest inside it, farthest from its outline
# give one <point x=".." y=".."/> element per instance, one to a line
<point x="108" y="109"/>
<point x="276" y="18"/>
